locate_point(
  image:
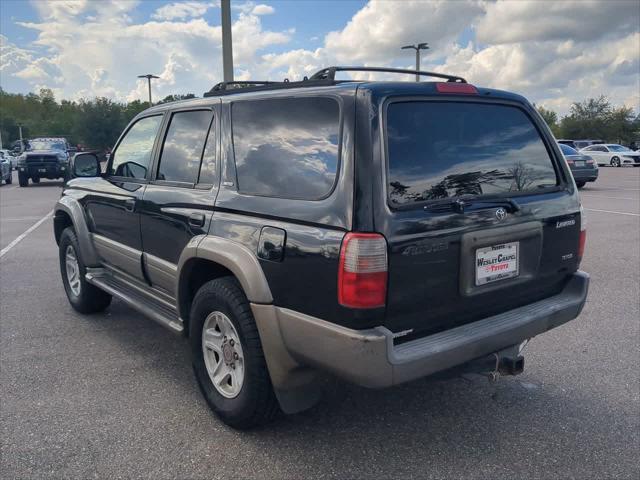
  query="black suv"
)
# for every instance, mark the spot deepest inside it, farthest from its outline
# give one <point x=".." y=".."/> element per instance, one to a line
<point x="43" y="158"/>
<point x="380" y="231"/>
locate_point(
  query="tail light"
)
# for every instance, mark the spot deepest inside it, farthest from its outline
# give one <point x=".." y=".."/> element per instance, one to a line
<point x="456" y="88"/>
<point x="583" y="233"/>
<point x="362" y="274"/>
<point x="570" y="162"/>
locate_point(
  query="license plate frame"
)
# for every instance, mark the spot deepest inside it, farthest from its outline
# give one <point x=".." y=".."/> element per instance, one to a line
<point x="579" y="163"/>
<point x="494" y="263"/>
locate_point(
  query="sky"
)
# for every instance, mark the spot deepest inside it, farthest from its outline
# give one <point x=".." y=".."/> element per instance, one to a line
<point x="553" y="52"/>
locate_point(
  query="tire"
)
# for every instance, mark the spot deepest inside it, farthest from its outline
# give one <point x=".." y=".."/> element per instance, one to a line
<point x="250" y="400"/>
<point x="23" y="180"/>
<point x="580" y="184"/>
<point x="9" y="179"/>
<point x="83" y="297"/>
<point x="615" y="162"/>
<point x="35" y="180"/>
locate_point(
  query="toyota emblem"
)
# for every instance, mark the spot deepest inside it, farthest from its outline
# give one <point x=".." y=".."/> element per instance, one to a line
<point x="501" y="214"/>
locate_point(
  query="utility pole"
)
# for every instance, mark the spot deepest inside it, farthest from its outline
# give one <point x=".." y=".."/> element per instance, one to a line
<point x="148" y="76"/>
<point x="417" y="48"/>
<point x="227" y="45"/>
<point x="20" y="133"/>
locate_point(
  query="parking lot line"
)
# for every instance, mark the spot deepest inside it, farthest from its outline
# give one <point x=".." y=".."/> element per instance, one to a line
<point x="604" y="196"/>
<point x="20" y="219"/>
<point x="611" y="211"/>
<point x="21" y="237"/>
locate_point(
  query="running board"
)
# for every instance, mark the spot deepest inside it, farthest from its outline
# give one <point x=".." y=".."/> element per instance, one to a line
<point x="130" y="294"/>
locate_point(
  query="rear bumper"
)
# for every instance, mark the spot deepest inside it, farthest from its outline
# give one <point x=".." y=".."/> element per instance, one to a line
<point x="369" y="357"/>
<point x="586" y="175"/>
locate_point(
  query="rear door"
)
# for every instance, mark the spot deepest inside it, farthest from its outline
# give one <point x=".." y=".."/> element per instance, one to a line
<point x="178" y="202"/>
<point x="473" y="212"/>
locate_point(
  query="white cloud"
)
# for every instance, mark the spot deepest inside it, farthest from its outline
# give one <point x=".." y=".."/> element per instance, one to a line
<point x="182" y="10"/>
<point x="577" y="20"/>
<point x="552" y="52"/>
<point x="103" y="57"/>
<point x="263" y="10"/>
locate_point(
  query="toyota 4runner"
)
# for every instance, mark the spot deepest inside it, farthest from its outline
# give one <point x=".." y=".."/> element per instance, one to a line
<point x="380" y="231"/>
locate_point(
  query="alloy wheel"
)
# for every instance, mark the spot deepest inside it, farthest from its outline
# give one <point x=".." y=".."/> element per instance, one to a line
<point x="73" y="270"/>
<point x="223" y="355"/>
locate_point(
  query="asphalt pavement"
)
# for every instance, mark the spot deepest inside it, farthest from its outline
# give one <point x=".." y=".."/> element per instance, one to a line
<point x="113" y="396"/>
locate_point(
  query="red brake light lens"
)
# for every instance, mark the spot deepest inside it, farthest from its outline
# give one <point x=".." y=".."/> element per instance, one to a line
<point x="456" y="88"/>
<point x="362" y="273"/>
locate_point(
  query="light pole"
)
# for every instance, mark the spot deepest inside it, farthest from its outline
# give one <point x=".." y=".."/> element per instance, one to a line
<point x="417" y="48"/>
<point x="148" y="76"/>
<point x="227" y="44"/>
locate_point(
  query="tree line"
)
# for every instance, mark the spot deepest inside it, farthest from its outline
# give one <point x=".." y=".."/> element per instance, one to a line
<point x="595" y="119"/>
<point x="97" y="123"/>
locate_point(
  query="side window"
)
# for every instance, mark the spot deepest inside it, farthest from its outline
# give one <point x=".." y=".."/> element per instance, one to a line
<point x="208" y="171"/>
<point x="133" y="155"/>
<point x="183" y="145"/>
<point x="286" y="147"/>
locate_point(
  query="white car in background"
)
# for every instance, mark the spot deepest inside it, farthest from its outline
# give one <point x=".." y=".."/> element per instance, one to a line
<point x="612" y="154"/>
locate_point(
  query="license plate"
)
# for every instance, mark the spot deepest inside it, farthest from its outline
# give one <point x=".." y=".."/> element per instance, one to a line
<point x="579" y="164"/>
<point x="497" y="262"/>
<point x="42" y="170"/>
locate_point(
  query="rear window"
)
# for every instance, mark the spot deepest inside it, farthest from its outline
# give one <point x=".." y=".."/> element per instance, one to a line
<point x="441" y="150"/>
<point x="567" y="150"/>
<point x="286" y="147"/>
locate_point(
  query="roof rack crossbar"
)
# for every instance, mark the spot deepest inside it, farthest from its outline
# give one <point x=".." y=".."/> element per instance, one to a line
<point x="329" y="73"/>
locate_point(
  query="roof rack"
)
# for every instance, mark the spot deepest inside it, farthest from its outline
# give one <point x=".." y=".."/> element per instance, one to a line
<point x="329" y="73"/>
<point x="324" y="77"/>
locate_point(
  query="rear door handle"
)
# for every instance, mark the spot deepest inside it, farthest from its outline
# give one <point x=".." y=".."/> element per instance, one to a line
<point x="196" y="220"/>
<point x="130" y="204"/>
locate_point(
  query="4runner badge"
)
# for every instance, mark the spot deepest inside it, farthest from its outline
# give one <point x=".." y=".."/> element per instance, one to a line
<point x="501" y="214"/>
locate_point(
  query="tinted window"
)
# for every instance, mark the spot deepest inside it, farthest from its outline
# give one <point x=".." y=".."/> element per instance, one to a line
<point x="208" y="174"/>
<point x="286" y="147"/>
<point x="597" y="148"/>
<point x="567" y="150"/>
<point x="133" y="155"/>
<point x="440" y="150"/>
<point x="183" y="145"/>
<point x="618" y="148"/>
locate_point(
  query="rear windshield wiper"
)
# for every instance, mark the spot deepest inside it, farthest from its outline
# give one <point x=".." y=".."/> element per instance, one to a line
<point x="461" y="203"/>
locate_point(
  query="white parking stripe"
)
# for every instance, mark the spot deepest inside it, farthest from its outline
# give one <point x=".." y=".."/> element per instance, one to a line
<point x="604" y="196"/>
<point x="22" y="237"/>
<point x="19" y="219"/>
<point x="610" y="211"/>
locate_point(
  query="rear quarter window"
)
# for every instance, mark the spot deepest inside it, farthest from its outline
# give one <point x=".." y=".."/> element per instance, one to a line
<point x="286" y="147"/>
<point x="438" y="150"/>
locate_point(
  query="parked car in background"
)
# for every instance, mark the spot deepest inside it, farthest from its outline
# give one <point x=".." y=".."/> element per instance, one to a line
<point x="43" y="158"/>
<point x="8" y="154"/>
<point x="578" y="144"/>
<point x="253" y="223"/>
<point x="5" y="169"/>
<point x="583" y="168"/>
<point x="612" y="154"/>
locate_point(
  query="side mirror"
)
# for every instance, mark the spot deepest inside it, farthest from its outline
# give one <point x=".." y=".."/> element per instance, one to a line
<point x="85" y="165"/>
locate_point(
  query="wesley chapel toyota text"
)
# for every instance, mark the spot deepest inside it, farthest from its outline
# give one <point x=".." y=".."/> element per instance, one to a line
<point x="380" y="231"/>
